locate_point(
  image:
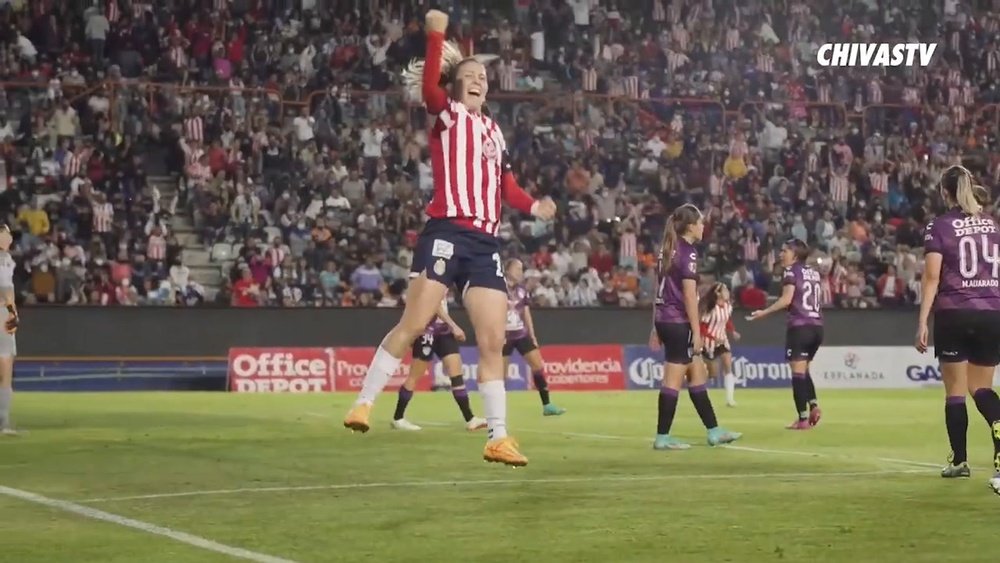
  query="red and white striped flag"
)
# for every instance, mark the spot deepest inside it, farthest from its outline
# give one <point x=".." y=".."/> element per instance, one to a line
<point x="765" y="63"/>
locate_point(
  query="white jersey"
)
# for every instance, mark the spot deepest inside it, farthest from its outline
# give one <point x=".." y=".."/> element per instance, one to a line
<point x="7" y="266"/>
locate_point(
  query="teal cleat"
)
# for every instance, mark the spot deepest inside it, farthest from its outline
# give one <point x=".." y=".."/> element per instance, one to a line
<point x="552" y="410"/>
<point x="719" y="436"/>
<point x="666" y="442"/>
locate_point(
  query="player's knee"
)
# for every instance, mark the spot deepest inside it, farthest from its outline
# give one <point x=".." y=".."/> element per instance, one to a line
<point x="491" y="342"/>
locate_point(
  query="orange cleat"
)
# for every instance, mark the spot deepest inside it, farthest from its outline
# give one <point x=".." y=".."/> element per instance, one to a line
<point x="505" y="451"/>
<point x="357" y="418"/>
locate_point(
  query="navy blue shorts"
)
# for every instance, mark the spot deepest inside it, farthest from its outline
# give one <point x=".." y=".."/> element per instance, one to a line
<point x="458" y="256"/>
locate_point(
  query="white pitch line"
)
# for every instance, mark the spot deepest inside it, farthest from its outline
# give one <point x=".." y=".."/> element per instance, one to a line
<point x="548" y="481"/>
<point x="162" y="531"/>
<point x="909" y="462"/>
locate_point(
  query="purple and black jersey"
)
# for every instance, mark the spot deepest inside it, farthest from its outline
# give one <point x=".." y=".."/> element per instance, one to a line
<point x="807" y="302"/>
<point x="670" y="295"/>
<point x="517" y="302"/>
<point x="437" y="326"/>
<point x="970" y="261"/>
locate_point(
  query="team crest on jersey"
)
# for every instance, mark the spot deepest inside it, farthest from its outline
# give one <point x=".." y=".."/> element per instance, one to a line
<point x="439" y="267"/>
<point x="489" y="149"/>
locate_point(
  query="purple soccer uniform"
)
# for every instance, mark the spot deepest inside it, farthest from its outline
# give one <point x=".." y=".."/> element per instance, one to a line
<point x="970" y="261"/>
<point x="437" y="326"/>
<point x="807" y="302"/>
<point x="517" y="302"/>
<point x="670" y="294"/>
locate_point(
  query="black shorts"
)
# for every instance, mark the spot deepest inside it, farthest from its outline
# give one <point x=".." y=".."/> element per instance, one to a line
<point x="678" y="342"/>
<point x="715" y="353"/>
<point x="430" y="345"/>
<point x="967" y="336"/>
<point x="802" y="342"/>
<point x="524" y="345"/>
<point x="458" y="257"/>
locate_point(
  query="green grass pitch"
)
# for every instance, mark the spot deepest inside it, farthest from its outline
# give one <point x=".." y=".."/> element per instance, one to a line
<point x="279" y="475"/>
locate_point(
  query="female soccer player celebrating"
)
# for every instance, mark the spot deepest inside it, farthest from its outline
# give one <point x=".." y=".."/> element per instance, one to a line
<point x="440" y="339"/>
<point x="8" y="345"/>
<point x="802" y="295"/>
<point x="961" y="282"/>
<point x="459" y="245"/>
<point x="521" y="335"/>
<point x="677" y="327"/>
<point x="716" y="326"/>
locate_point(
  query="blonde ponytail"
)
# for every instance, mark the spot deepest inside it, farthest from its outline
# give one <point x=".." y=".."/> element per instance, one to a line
<point x="965" y="195"/>
<point x="451" y="57"/>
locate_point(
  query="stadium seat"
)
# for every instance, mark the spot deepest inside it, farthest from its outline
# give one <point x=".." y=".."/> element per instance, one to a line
<point x="222" y="251"/>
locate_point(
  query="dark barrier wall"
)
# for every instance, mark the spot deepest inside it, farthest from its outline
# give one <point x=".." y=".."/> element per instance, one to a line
<point x="170" y="332"/>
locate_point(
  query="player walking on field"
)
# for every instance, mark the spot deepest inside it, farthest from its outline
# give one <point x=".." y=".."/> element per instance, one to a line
<point x="459" y="245"/>
<point x="521" y="335"/>
<point x="441" y="339"/>
<point x="8" y="344"/>
<point x="677" y="327"/>
<point x="961" y="283"/>
<point x="802" y="295"/>
<point x="716" y="327"/>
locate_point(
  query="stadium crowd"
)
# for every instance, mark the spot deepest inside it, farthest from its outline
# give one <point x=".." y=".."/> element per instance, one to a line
<point x="292" y="140"/>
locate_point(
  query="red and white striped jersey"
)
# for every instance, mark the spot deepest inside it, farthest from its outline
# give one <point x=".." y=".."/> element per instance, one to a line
<point x="839" y="188"/>
<point x="911" y="95"/>
<point x="178" y="56"/>
<point x="628" y="246"/>
<point x="194" y="129"/>
<point x="880" y="182"/>
<point x="104" y="215"/>
<point x="751" y="249"/>
<point x="631" y="86"/>
<point x="954" y="96"/>
<point x="765" y="63"/>
<point x="716" y="325"/>
<point x="113" y="12"/>
<point x="589" y="79"/>
<point x="675" y="60"/>
<point x="659" y="12"/>
<point x="507" y="76"/>
<point x="681" y="36"/>
<point x="874" y="92"/>
<point x="715" y="185"/>
<point x="732" y="39"/>
<point x="823" y="93"/>
<point x="156" y="248"/>
<point x="812" y="163"/>
<point x="274" y="256"/>
<point x="73" y="163"/>
<point x="467" y="152"/>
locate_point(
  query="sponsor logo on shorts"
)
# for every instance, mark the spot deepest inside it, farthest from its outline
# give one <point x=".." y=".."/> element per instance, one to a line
<point x="443" y="249"/>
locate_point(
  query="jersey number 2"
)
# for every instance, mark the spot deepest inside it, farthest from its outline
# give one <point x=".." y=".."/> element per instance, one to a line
<point x="812" y="297"/>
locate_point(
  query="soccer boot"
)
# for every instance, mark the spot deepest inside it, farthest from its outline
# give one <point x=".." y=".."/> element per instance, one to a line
<point x="475" y="423"/>
<point x="668" y="442"/>
<point x="995" y="483"/>
<point x="814" y="415"/>
<point x="505" y="451"/>
<point x="956" y="470"/>
<point x="718" y="436"/>
<point x="357" y="418"/>
<point x="552" y="410"/>
<point x="403" y="424"/>
<point x="799" y="425"/>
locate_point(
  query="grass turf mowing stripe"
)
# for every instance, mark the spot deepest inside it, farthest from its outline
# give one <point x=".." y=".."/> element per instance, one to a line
<point x="175" y="535"/>
<point x="543" y="481"/>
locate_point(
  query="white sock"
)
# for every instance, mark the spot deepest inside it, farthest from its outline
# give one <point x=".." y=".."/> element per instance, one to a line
<point x="6" y="396"/>
<point x="730" y="382"/>
<point x="495" y="408"/>
<point x="380" y="371"/>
